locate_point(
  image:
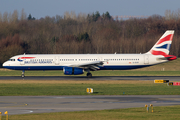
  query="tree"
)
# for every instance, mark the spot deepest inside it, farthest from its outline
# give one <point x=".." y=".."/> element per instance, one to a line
<point x="93" y="17"/>
<point x="23" y="15"/>
<point x="5" y="17"/>
<point x="30" y="17"/>
<point x="15" y="16"/>
<point x="1" y="19"/>
<point x="107" y="16"/>
<point x="96" y="16"/>
<point x="83" y="36"/>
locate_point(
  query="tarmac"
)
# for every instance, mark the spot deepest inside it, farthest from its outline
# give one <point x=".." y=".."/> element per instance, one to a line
<point x="46" y="104"/>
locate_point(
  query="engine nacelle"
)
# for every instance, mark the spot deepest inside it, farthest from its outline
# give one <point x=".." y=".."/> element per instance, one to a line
<point x="72" y="71"/>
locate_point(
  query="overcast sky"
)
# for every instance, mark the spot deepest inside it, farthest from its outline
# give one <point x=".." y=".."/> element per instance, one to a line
<point x="42" y="8"/>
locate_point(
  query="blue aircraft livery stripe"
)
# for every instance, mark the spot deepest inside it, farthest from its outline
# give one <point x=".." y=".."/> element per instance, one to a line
<point x="121" y="67"/>
<point x="165" y="46"/>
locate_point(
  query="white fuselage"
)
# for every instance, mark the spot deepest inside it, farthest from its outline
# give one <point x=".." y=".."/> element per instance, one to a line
<point x="58" y="61"/>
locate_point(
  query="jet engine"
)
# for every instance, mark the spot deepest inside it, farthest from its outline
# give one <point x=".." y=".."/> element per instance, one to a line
<point x="73" y="71"/>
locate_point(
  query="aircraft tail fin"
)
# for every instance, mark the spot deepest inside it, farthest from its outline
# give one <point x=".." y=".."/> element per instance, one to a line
<point x="162" y="46"/>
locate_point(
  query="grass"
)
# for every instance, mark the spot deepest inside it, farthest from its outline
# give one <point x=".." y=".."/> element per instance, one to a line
<point x="36" y="88"/>
<point x="160" y="113"/>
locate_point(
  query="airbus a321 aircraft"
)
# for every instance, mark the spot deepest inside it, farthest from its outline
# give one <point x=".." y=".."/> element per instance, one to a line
<point x="75" y="64"/>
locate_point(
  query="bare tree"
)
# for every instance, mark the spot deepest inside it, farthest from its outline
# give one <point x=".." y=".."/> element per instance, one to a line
<point x="82" y="17"/>
<point x="1" y="19"/>
<point x="5" y="17"/>
<point x="67" y="15"/>
<point x="15" y="16"/>
<point x="23" y="15"/>
<point x="71" y="15"/>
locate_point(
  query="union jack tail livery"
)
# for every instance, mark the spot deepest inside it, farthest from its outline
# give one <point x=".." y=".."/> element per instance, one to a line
<point x="162" y="46"/>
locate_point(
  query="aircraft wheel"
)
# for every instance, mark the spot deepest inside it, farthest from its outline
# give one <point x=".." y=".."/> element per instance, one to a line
<point x="23" y="71"/>
<point x="89" y="75"/>
<point x="22" y="75"/>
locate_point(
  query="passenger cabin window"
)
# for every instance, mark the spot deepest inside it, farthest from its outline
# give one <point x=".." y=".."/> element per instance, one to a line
<point x="11" y="59"/>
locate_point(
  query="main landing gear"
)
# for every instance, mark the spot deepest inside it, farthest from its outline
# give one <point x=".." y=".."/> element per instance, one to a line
<point x="23" y="71"/>
<point x="89" y="75"/>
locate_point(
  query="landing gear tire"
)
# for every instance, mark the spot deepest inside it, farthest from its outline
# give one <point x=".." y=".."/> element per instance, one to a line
<point x="22" y="75"/>
<point x="23" y="71"/>
<point x="89" y="75"/>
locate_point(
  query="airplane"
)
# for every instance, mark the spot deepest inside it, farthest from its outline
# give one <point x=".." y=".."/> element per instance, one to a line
<point x="75" y="64"/>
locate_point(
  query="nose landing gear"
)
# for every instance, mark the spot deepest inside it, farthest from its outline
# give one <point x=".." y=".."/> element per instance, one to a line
<point x="23" y="71"/>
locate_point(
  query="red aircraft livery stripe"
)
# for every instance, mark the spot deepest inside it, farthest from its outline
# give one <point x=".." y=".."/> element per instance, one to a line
<point x="26" y="57"/>
<point x="169" y="57"/>
<point x="158" y="53"/>
<point x="167" y="38"/>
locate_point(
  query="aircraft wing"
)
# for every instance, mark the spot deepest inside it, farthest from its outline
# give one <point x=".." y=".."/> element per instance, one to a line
<point x="91" y="65"/>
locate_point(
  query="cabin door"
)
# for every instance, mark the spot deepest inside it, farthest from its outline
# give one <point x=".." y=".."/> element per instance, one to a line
<point x="100" y="58"/>
<point x="146" y="59"/>
<point x="56" y="60"/>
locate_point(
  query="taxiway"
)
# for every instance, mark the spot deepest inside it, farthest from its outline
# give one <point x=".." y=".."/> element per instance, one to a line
<point x="46" y="104"/>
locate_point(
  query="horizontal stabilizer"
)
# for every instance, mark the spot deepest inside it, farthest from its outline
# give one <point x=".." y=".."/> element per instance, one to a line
<point x="168" y="57"/>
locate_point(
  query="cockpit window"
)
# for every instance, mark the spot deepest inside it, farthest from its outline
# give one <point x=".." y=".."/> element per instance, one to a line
<point x="11" y="59"/>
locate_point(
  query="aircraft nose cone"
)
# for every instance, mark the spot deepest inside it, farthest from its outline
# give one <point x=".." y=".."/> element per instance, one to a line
<point x="4" y="64"/>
